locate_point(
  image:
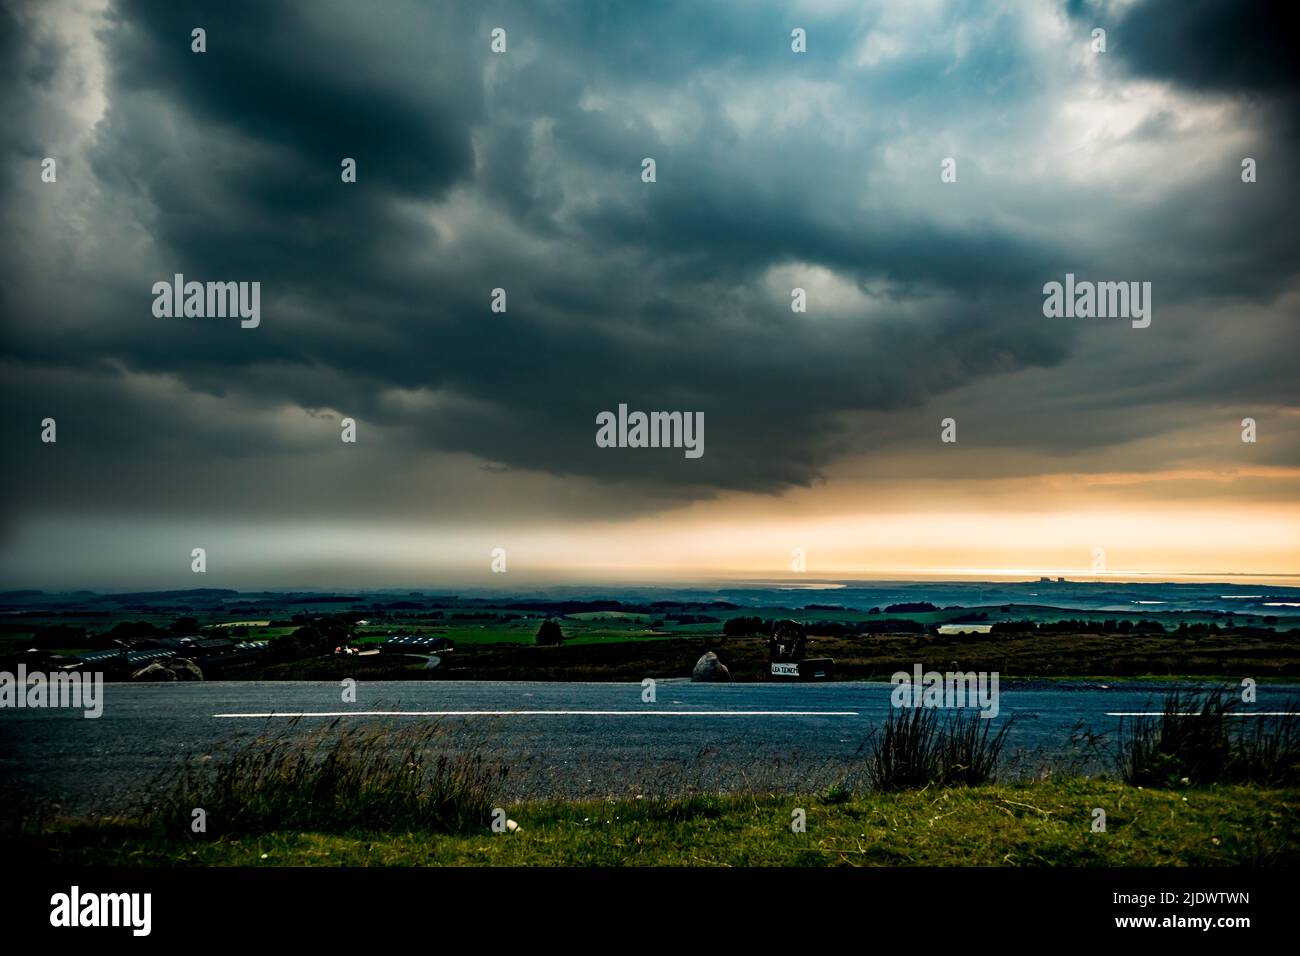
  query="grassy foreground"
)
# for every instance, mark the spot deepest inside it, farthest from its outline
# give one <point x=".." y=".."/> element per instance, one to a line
<point x="1031" y="824"/>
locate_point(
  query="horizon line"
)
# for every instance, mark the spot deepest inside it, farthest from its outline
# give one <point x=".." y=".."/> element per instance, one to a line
<point x="798" y="583"/>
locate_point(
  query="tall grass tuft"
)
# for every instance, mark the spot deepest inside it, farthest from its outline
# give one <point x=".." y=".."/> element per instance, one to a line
<point x="1197" y="739"/>
<point x="1268" y="750"/>
<point x="355" y="779"/>
<point x="917" y="748"/>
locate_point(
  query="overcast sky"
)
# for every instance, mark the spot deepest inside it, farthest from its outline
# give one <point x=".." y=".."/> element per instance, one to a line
<point x="522" y="170"/>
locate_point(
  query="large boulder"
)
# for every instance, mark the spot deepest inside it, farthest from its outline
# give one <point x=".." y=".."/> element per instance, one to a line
<point x="174" y="669"/>
<point x="709" y="669"/>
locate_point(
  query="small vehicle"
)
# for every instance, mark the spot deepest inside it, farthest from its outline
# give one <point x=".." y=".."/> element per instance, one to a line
<point x="787" y="652"/>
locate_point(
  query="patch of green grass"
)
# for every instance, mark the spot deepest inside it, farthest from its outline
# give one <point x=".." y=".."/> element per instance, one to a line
<point x="492" y="634"/>
<point x="457" y="633"/>
<point x="1200" y="737"/>
<point x="1034" y="824"/>
<point x="268" y="633"/>
<point x="602" y="635"/>
<point x="606" y="616"/>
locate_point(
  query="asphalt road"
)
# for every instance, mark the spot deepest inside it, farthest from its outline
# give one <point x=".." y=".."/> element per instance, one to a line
<point x="559" y="739"/>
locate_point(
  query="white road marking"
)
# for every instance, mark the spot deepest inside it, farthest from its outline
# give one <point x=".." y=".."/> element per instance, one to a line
<point x="1160" y="713"/>
<point x="557" y="713"/>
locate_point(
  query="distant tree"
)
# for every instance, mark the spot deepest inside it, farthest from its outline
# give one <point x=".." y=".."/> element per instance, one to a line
<point x="744" y="626"/>
<point x="183" y="627"/>
<point x="313" y="639"/>
<point x="125" y="630"/>
<point x="549" y="634"/>
<point x="59" y="636"/>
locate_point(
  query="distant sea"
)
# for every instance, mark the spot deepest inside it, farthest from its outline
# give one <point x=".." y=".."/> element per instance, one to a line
<point x="1082" y="595"/>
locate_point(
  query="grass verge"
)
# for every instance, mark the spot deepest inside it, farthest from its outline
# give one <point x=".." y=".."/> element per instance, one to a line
<point x="1046" y="823"/>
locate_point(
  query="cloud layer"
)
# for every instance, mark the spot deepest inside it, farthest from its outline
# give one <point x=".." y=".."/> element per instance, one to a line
<point x="522" y="171"/>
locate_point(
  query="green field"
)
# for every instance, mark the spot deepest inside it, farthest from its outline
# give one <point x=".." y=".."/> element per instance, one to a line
<point x="1035" y="824"/>
<point x="582" y="630"/>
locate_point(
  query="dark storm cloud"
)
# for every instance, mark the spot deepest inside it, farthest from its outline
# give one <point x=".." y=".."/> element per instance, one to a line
<point x="1213" y="45"/>
<point x="278" y="74"/>
<point x="250" y="181"/>
<point x="477" y="172"/>
<point x="1248" y="53"/>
